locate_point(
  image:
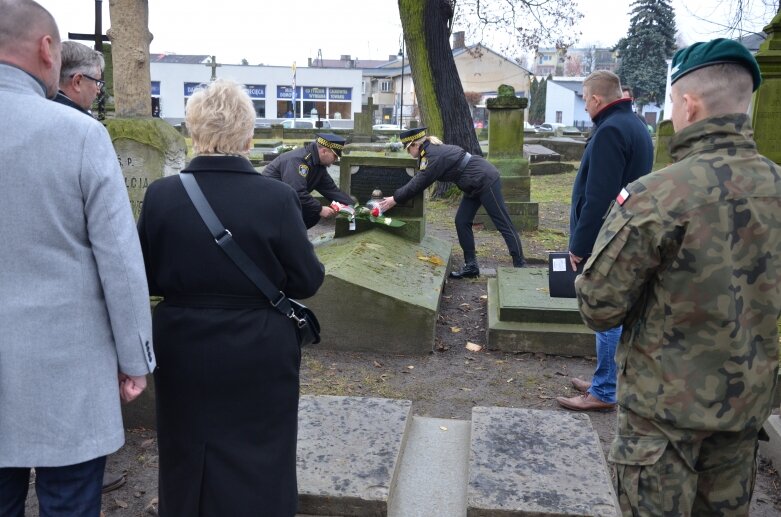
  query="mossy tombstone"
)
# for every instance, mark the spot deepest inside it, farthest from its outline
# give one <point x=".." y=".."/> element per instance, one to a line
<point x="147" y="149"/>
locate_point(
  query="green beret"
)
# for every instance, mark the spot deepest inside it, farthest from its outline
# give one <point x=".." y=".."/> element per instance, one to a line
<point x="714" y="52"/>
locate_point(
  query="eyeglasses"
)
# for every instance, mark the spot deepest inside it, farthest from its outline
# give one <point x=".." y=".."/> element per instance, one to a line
<point x="99" y="82"/>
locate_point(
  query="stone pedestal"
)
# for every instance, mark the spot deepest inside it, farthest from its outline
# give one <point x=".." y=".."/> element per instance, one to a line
<point x="381" y="292"/>
<point x="147" y="149"/>
<point x="363" y="121"/>
<point x="505" y="151"/>
<point x="766" y="111"/>
<point x="522" y="317"/>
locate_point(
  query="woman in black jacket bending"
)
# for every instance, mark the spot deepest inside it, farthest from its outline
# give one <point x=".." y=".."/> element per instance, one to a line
<point x="475" y="176"/>
<point x="228" y="362"/>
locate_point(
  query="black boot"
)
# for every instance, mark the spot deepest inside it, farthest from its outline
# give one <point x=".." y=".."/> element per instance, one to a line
<point x="470" y="270"/>
<point x="518" y="261"/>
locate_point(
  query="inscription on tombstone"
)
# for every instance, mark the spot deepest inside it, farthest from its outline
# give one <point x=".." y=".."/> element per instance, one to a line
<point x="140" y="165"/>
<point x="366" y="178"/>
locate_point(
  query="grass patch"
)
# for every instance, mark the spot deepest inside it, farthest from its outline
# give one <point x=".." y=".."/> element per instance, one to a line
<point x="548" y="239"/>
<point x="553" y="188"/>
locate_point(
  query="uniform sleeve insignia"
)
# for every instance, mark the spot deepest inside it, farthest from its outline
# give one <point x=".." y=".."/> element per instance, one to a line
<point x="303" y="170"/>
<point x="622" y="197"/>
<point x="423" y="163"/>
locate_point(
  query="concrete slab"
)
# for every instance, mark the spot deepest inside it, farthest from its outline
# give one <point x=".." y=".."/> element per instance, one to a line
<point x="385" y="289"/>
<point x="348" y="453"/>
<point x="433" y="474"/>
<point x="524" y="297"/>
<point x="567" y="339"/>
<point x="539" y="153"/>
<point x="772" y="449"/>
<point x="531" y="462"/>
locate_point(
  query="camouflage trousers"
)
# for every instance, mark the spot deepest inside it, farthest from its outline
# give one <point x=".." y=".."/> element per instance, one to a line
<point x="664" y="471"/>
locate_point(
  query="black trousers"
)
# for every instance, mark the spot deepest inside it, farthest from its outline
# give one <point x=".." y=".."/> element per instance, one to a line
<point x="494" y="205"/>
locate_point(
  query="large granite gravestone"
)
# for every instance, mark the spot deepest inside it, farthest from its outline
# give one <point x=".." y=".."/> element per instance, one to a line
<point x="361" y="173"/>
<point x="383" y="284"/>
<point x="147" y="149"/>
<point x="370" y="457"/>
<point x="530" y="462"/>
<point x="505" y="151"/>
<point x="349" y="449"/>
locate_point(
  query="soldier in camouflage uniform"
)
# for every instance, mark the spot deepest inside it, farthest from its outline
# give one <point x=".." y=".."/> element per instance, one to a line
<point x="689" y="260"/>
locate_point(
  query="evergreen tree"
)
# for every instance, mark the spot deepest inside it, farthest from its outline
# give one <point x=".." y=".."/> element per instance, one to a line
<point x="649" y="41"/>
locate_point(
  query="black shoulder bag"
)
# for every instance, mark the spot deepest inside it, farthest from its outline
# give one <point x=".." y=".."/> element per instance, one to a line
<point x="307" y="326"/>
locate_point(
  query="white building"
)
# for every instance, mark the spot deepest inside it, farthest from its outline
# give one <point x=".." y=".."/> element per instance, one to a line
<point x="320" y="92"/>
<point x="564" y="102"/>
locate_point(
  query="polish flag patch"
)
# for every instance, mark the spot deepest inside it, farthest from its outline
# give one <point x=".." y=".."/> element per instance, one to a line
<point x="622" y="197"/>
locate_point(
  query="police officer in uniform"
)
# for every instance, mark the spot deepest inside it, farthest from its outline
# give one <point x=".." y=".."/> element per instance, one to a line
<point x="477" y="179"/>
<point x="689" y="260"/>
<point x="305" y="170"/>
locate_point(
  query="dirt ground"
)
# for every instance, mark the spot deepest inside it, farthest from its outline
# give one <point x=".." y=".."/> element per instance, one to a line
<point x="446" y="383"/>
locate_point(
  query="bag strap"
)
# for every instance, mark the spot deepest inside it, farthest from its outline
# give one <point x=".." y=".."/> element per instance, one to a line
<point x="224" y="239"/>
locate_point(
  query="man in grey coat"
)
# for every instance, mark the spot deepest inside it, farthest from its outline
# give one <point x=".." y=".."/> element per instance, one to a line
<point x="74" y="306"/>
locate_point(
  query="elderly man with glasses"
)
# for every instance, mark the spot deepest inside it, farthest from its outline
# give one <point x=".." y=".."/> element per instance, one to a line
<point x="79" y="76"/>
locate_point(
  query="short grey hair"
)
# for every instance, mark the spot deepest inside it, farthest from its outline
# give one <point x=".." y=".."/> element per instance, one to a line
<point x="723" y="88"/>
<point x="22" y="21"/>
<point x="220" y="117"/>
<point x="78" y="58"/>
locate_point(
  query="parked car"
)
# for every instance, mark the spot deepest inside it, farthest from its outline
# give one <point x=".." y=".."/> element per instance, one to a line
<point x="549" y="126"/>
<point x="304" y="124"/>
<point x="388" y="127"/>
<point x="528" y="128"/>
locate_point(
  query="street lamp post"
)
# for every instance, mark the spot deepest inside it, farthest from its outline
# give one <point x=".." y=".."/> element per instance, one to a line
<point x="401" y="97"/>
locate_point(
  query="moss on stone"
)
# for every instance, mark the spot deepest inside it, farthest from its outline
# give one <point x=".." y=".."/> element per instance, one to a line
<point x="153" y="132"/>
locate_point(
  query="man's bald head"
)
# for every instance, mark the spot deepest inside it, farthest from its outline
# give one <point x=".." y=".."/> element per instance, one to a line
<point x="29" y="39"/>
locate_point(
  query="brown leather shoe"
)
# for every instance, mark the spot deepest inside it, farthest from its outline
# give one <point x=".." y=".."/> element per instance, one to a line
<point x="580" y="385"/>
<point x="585" y="402"/>
<point x="112" y="481"/>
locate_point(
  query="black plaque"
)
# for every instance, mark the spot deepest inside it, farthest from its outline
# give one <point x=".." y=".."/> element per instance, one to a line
<point x="369" y="178"/>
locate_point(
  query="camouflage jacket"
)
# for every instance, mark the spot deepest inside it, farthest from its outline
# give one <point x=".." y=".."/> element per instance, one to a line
<point x="690" y="263"/>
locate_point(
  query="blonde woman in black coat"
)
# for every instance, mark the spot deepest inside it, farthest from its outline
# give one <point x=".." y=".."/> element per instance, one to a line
<point x="228" y="362"/>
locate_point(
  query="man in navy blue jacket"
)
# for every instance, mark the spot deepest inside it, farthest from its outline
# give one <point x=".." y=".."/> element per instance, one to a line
<point x="618" y="152"/>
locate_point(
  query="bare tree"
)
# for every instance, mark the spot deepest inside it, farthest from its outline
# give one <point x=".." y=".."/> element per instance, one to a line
<point x="427" y="27"/>
<point x="742" y="16"/>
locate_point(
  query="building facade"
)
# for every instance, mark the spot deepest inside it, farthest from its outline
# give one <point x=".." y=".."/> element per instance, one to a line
<point x="324" y="93"/>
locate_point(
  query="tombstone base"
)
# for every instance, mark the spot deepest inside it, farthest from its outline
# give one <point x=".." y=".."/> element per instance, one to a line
<point x="381" y="292"/>
<point x="522" y="317"/>
<point x="524" y="216"/>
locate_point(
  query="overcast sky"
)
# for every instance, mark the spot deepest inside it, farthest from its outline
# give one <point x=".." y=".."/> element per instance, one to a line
<point x="280" y="32"/>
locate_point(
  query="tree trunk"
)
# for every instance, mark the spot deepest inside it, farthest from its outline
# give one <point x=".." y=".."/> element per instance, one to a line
<point x="443" y="106"/>
<point x="130" y="38"/>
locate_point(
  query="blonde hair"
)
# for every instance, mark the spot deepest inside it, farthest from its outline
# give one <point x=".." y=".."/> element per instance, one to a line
<point x="603" y="83"/>
<point x="220" y="118"/>
<point x="434" y="140"/>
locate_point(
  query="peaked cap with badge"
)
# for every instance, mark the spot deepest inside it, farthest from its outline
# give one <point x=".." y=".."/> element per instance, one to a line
<point x="410" y="135"/>
<point x="715" y="52"/>
<point x="332" y="142"/>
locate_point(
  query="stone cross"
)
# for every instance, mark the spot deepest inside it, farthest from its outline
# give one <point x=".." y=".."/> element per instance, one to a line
<point x="214" y="64"/>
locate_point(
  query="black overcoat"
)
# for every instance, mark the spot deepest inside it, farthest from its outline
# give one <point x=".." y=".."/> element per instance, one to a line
<point x="228" y="363"/>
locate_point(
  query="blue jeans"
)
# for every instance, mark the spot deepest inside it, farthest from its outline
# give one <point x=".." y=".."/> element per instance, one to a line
<point x="603" y="384"/>
<point x="72" y="490"/>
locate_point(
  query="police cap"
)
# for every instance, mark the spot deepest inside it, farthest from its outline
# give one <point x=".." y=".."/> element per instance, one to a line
<point x="331" y="141"/>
